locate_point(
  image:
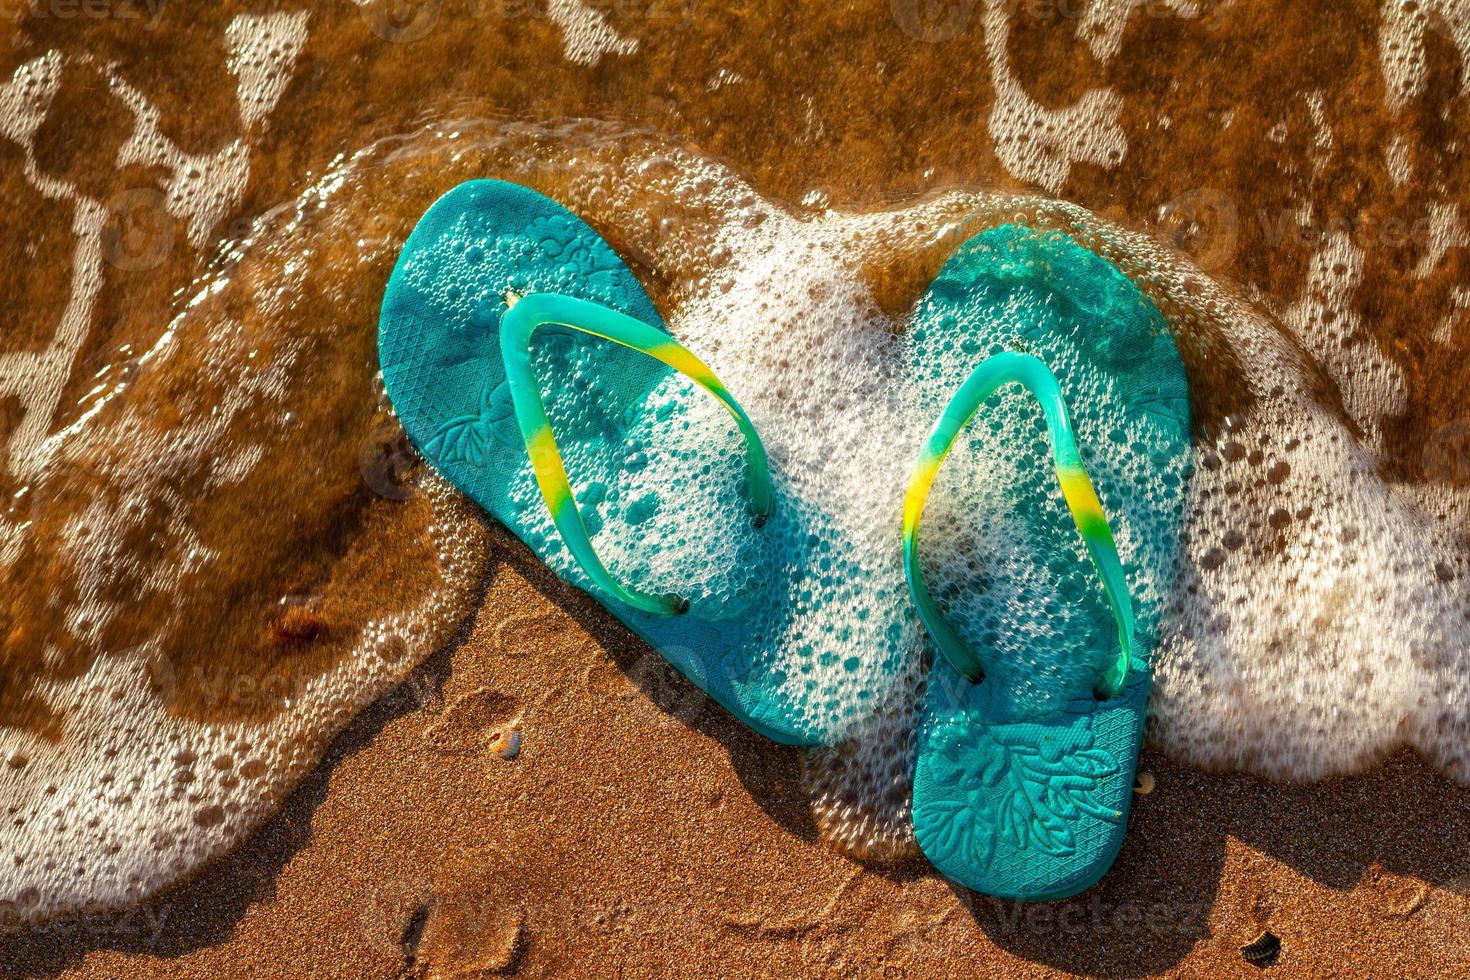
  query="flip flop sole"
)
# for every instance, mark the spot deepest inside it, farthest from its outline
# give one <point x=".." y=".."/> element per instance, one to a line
<point x="1023" y="782"/>
<point x="611" y="410"/>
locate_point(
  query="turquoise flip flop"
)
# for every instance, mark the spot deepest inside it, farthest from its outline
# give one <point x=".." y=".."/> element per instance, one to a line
<point x="1038" y="688"/>
<point x="525" y="360"/>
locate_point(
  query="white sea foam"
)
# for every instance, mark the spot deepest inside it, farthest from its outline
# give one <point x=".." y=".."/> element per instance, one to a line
<point x="1319" y="614"/>
<point x="1317" y="620"/>
<point x="1401" y="37"/>
<point x="130" y="794"/>
<point x="1037" y="144"/>
<point x="586" y="35"/>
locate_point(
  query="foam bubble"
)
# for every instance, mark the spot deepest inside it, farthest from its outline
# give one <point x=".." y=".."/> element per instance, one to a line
<point x="1401" y="44"/>
<point x="1037" y="144"/>
<point x="263" y="52"/>
<point x="1316" y="621"/>
<point x="586" y="35"/>
<point x="201" y="588"/>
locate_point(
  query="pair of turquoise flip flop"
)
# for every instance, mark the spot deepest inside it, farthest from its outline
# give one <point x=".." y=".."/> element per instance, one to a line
<point x="502" y="342"/>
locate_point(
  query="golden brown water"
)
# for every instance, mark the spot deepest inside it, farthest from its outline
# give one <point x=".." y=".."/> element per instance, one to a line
<point x="204" y="494"/>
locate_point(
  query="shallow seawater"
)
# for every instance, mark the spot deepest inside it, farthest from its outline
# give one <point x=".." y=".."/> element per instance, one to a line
<point x="216" y="545"/>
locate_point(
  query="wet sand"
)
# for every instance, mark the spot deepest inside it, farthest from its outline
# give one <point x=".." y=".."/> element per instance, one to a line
<point x="643" y="832"/>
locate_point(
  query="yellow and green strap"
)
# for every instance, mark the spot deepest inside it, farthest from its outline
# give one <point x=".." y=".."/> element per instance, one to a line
<point x="1087" y="512"/>
<point x="525" y="316"/>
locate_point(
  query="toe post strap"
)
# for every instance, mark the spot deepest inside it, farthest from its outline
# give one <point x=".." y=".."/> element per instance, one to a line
<point x="1077" y="490"/>
<point x="526" y="314"/>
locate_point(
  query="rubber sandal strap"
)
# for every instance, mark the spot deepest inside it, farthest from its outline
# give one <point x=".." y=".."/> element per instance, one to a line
<point x="1077" y="489"/>
<point x="525" y="316"/>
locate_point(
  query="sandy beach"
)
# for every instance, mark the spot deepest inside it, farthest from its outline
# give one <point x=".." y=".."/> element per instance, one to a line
<point x="642" y="832"/>
<point x="448" y="763"/>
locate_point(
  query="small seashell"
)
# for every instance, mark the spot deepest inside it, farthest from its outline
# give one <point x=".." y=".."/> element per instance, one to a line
<point x="1263" y="950"/>
<point x="1143" y="783"/>
<point x="505" y="743"/>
